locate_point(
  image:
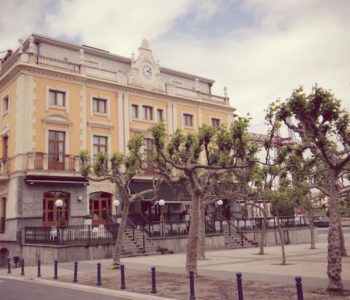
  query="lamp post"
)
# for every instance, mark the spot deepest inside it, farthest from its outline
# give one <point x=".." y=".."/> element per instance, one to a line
<point x="220" y="203"/>
<point x="59" y="205"/>
<point x="116" y="204"/>
<point x="161" y="203"/>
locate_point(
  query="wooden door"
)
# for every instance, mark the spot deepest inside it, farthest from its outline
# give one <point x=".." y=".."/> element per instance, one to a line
<point x="100" y="209"/>
<point x="53" y="215"/>
<point x="56" y="149"/>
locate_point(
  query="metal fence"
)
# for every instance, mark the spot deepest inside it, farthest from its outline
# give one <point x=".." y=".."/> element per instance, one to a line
<point x="68" y="235"/>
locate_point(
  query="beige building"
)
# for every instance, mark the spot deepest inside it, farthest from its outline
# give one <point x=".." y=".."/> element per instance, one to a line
<point x="59" y="98"/>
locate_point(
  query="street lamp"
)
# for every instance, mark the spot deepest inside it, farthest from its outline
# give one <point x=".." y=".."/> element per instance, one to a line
<point x="220" y="203"/>
<point x="116" y="204"/>
<point x="161" y="203"/>
<point x="59" y="205"/>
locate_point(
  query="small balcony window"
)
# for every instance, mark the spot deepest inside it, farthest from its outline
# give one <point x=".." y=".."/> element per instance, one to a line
<point x="5" y="104"/>
<point x="160" y="116"/>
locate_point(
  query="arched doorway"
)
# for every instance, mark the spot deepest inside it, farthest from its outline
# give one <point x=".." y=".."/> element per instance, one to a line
<point x="100" y="207"/>
<point x="52" y="215"/>
<point x="4" y="254"/>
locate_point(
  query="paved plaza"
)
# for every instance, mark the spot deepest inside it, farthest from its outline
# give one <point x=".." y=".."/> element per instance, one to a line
<point x="263" y="276"/>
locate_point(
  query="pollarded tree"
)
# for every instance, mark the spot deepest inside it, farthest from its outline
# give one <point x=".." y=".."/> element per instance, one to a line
<point x="323" y="128"/>
<point x="120" y="169"/>
<point x="200" y="156"/>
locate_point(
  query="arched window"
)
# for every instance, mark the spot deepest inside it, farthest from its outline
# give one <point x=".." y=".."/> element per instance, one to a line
<point x="100" y="207"/>
<point x="52" y="215"/>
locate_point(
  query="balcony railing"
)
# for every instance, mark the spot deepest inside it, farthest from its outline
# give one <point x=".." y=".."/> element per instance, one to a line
<point x="70" y="235"/>
<point x="58" y="64"/>
<point x="45" y="161"/>
<point x="112" y="75"/>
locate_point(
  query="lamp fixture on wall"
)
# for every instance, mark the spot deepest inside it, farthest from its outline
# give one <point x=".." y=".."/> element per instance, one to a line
<point x="79" y="198"/>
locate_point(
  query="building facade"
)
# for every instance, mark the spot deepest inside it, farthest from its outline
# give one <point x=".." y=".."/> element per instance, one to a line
<point x="59" y="98"/>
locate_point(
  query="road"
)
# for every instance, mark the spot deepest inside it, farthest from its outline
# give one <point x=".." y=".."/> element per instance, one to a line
<point x="17" y="290"/>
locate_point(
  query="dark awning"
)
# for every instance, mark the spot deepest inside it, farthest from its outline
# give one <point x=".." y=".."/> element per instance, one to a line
<point x="171" y="193"/>
<point x="31" y="179"/>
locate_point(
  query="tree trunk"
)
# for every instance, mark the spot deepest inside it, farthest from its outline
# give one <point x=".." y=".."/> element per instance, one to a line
<point x="192" y="240"/>
<point x="201" y="234"/>
<point x="280" y="232"/>
<point x="263" y="235"/>
<point x="119" y="241"/>
<point x="312" y="230"/>
<point x="342" y="241"/>
<point x="334" y="266"/>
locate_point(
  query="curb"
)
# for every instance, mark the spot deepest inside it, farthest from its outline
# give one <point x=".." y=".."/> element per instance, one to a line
<point x="87" y="288"/>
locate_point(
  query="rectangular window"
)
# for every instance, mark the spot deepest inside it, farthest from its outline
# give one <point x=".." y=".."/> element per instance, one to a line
<point x="160" y="115"/>
<point x="5" y="104"/>
<point x="188" y="120"/>
<point x="134" y="111"/>
<point x="215" y="122"/>
<point x="5" y="146"/>
<point x="147" y="113"/>
<point x="2" y="214"/>
<point x="99" y="105"/>
<point x="148" y="150"/>
<point x="57" y="98"/>
<point x="99" y="144"/>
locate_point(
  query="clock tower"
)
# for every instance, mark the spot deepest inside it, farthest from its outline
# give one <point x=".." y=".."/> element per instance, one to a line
<point x="145" y="71"/>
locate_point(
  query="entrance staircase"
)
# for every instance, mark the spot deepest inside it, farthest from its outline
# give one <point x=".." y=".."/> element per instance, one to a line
<point x="235" y="238"/>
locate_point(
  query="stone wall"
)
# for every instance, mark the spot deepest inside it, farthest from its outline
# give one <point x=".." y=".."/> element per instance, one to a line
<point x="291" y="236"/>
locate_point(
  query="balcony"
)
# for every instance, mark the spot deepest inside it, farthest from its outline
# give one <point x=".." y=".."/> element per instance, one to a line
<point x="39" y="161"/>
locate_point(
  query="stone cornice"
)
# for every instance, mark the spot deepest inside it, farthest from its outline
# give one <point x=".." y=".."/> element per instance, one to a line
<point x="107" y="84"/>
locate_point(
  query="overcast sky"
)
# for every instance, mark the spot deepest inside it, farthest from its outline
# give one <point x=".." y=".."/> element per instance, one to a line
<point x="260" y="49"/>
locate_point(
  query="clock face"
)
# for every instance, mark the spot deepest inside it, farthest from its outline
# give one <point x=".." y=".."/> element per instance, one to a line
<point x="147" y="71"/>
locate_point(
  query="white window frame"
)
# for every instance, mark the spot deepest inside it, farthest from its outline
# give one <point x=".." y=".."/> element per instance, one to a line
<point x="143" y="114"/>
<point x="104" y="97"/>
<point x="59" y="89"/>
<point x="163" y="114"/>
<point x="138" y="111"/>
<point x="109" y="142"/>
<point x="183" y="120"/>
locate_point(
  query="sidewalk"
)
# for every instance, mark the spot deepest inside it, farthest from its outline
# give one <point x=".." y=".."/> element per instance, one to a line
<point x="263" y="276"/>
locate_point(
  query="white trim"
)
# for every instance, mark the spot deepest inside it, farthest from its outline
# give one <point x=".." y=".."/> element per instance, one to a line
<point x="59" y="89"/>
<point x="108" y="106"/>
<point x="83" y="116"/>
<point x="193" y="120"/>
<point x="126" y="121"/>
<point x="153" y="114"/>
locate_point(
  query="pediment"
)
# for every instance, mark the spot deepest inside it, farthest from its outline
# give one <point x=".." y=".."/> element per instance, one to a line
<point x="57" y="119"/>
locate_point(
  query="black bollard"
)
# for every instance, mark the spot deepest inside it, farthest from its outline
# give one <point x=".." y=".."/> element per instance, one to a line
<point x="22" y="267"/>
<point x="154" y="287"/>
<point x="9" y="265"/>
<point x="192" y="293"/>
<point x="122" y="277"/>
<point x="39" y="268"/>
<point x="299" y="288"/>
<point x="55" y="276"/>
<point x="239" y="286"/>
<point x="75" y="272"/>
<point x="98" y="283"/>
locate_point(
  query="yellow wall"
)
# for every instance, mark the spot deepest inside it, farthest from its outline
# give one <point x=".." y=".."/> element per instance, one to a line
<point x="208" y="114"/>
<point x="190" y="110"/>
<point x="143" y="125"/>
